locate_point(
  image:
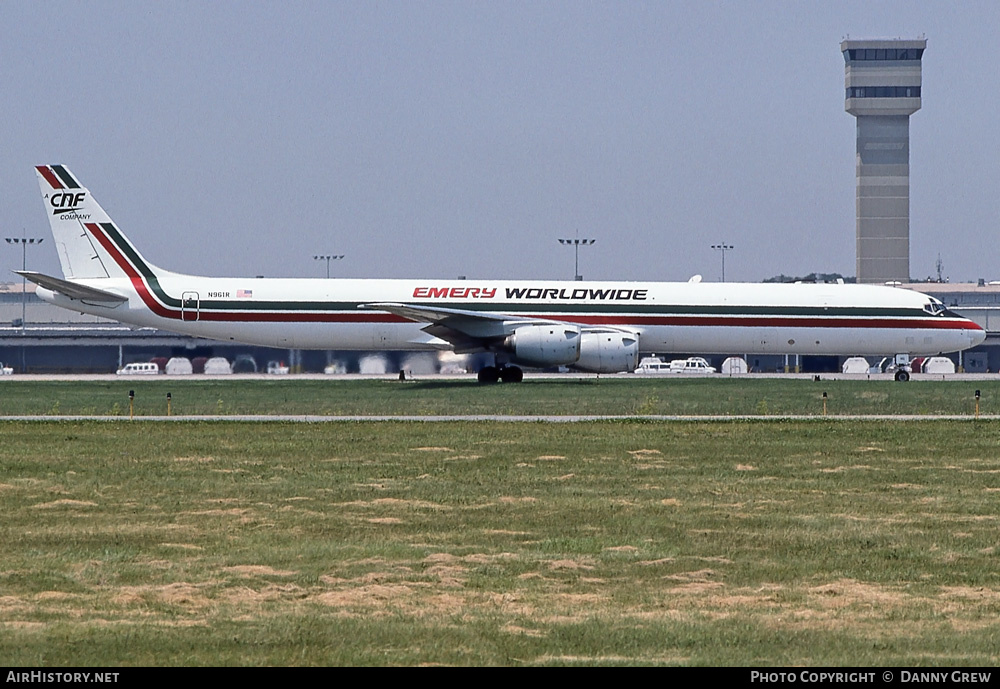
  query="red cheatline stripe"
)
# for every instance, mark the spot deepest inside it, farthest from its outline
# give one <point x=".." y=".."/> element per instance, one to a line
<point x="132" y="273"/>
<point x="53" y="181"/>
<point x="311" y="317"/>
<point x="625" y="321"/>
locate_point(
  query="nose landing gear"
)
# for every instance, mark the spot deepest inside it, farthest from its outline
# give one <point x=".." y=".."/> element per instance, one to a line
<point x="902" y="368"/>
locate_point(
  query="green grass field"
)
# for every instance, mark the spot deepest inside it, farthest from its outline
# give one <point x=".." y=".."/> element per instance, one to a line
<point x="612" y="543"/>
<point x="612" y="395"/>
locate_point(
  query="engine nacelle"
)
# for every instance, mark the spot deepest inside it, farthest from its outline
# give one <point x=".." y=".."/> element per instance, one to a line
<point x="608" y="352"/>
<point x="544" y="345"/>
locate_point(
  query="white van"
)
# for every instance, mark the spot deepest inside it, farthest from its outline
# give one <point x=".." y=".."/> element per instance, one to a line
<point x="139" y="369"/>
<point x="652" y="365"/>
<point x="694" y="364"/>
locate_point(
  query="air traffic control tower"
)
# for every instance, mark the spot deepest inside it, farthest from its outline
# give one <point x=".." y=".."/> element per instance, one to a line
<point x="883" y="89"/>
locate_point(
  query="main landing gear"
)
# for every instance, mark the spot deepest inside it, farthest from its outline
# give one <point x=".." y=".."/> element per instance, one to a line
<point x="507" y="374"/>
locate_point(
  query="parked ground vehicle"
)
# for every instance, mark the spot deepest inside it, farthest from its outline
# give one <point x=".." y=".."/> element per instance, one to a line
<point x="139" y="369"/>
<point x="693" y="364"/>
<point x="652" y="365"/>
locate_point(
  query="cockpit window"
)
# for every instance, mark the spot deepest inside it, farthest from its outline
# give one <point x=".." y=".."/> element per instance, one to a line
<point x="934" y="308"/>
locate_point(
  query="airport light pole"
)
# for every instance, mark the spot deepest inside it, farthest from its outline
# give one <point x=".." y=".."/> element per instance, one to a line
<point x="576" y="243"/>
<point x="328" y="258"/>
<point x="723" y="248"/>
<point x="24" y="242"/>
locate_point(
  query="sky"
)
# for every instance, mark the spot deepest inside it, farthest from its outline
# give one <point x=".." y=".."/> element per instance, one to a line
<point x="439" y="139"/>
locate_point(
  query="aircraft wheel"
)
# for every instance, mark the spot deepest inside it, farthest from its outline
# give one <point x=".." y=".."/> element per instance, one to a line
<point x="902" y="376"/>
<point x="489" y="374"/>
<point x="511" y="374"/>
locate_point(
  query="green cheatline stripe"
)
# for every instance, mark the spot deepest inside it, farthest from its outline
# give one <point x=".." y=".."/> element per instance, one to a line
<point x="213" y="305"/>
<point x="65" y="177"/>
<point x="140" y="265"/>
<point x="514" y="308"/>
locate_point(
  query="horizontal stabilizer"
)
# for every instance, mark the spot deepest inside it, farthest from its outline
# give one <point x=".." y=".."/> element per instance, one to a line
<point x="72" y="289"/>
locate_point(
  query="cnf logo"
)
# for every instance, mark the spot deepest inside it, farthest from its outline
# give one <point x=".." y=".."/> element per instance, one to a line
<point x="64" y="203"/>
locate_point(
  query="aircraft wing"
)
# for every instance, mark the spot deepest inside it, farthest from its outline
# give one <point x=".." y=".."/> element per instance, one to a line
<point x="466" y="331"/>
<point x="471" y="331"/>
<point x="72" y="289"/>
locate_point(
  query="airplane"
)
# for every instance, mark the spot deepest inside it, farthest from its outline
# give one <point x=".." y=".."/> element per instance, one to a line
<point x="598" y="327"/>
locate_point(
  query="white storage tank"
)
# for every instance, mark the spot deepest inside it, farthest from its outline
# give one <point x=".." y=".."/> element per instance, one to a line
<point x="940" y="365"/>
<point x="217" y="365"/>
<point x="856" y="364"/>
<point x="179" y="366"/>
<point x="734" y="365"/>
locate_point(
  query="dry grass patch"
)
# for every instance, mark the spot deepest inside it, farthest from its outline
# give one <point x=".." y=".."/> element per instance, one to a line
<point x="570" y="565"/>
<point x="259" y="570"/>
<point x="397" y="502"/>
<point x="181" y="546"/>
<point x="64" y="503"/>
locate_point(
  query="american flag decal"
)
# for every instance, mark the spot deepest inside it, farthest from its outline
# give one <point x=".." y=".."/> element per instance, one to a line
<point x="244" y="294"/>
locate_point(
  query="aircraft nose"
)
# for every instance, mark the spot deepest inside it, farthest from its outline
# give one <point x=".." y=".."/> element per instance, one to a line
<point x="976" y="336"/>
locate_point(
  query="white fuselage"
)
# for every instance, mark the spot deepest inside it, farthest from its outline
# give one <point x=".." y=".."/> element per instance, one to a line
<point x="707" y="318"/>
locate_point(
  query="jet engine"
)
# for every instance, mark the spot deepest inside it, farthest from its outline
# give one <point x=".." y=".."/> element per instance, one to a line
<point x="544" y="345"/>
<point x="609" y="352"/>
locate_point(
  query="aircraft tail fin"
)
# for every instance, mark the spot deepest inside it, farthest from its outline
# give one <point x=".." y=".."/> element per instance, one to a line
<point x="88" y="242"/>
